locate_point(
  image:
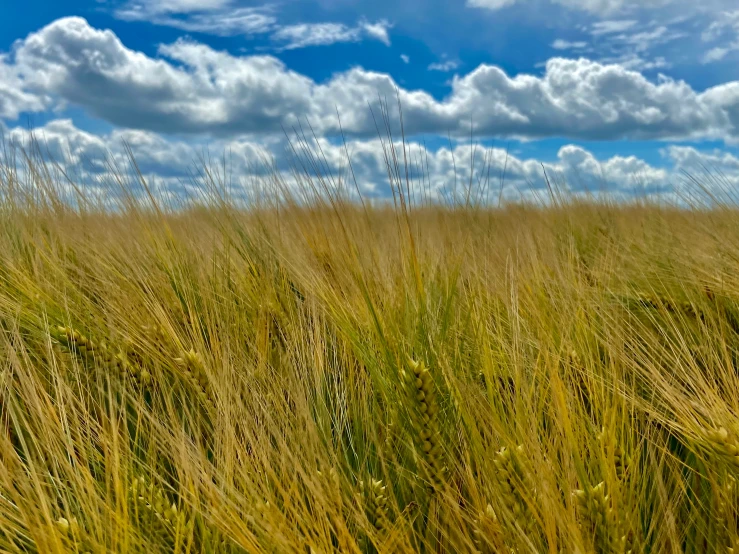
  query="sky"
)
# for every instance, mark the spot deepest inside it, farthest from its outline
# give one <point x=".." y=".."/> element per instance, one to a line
<point x="621" y="96"/>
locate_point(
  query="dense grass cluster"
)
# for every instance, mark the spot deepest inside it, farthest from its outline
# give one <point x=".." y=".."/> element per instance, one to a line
<point x="339" y="378"/>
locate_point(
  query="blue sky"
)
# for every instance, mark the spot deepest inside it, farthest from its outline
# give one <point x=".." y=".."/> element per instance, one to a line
<point x="618" y="90"/>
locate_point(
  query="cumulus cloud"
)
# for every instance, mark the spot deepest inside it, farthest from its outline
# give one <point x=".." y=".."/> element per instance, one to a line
<point x="591" y="99"/>
<point x="209" y="90"/>
<point x="62" y="141"/>
<point x="193" y="89"/>
<point x="174" y="164"/>
<point x="172" y="168"/>
<point x="434" y="173"/>
<point x="622" y="173"/>
<point x="14" y="97"/>
<point x="706" y="175"/>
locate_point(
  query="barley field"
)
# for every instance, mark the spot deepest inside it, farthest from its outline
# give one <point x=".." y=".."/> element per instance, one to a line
<point x="312" y="374"/>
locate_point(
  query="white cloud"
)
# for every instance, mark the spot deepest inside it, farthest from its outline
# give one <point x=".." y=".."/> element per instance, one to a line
<point x="598" y="7"/>
<point x="582" y="170"/>
<point x="561" y="44"/>
<point x="632" y="44"/>
<point x="448" y="65"/>
<point x="639" y="40"/>
<point x="223" y="18"/>
<point x="616" y="10"/>
<point x="645" y="40"/>
<point x="690" y="158"/>
<point x="405" y="58"/>
<point x="377" y="30"/>
<point x="612" y="26"/>
<point x="589" y="98"/>
<point x="216" y="17"/>
<point x="194" y="89"/>
<point x="96" y="163"/>
<point x="490" y="4"/>
<point x="321" y="34"/>
<point x="14" y="98"/>
<point x="725" y="23"/>
<point x="635" y="62"/>
<point x="606" y="7"/>
<point x="63" y="141"/>
<point x="433" y="171"/>
<point x="170" y="164"/>
<point x="724" y="33"/>
<point x="656" y="39"/>
<point x="575" y="168"/>
<point x="698" y="172"/>
<point x="314" y="34"/>
<point x="211" y="89"/>
<point x="716" y="54"/>
<point x="181" y="6"/>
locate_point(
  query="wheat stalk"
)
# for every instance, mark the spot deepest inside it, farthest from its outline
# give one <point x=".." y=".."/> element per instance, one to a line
<point x="192" y="365"/>
<point x="114" y="361"/>
<point x="424" y="413"/>
<point x="608" y="533"/>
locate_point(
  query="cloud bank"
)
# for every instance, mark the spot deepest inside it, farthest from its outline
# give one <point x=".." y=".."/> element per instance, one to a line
<point x="191" y="88"/>
<point x="433" y="172"/>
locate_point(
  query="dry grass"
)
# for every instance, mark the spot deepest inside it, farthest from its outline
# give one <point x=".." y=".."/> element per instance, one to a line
<point x="337" y="378"/>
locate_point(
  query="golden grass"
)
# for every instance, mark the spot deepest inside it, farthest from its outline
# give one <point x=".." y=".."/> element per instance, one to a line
<point x="341" y="378"/>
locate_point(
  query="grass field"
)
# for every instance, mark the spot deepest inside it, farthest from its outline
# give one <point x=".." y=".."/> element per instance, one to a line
<point x="330" y="377"/>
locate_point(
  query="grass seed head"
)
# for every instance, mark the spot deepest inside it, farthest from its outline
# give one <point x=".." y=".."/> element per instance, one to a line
<point x="424" y="409"/>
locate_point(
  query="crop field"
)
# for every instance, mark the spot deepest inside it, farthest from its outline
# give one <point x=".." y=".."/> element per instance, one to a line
<point x="322" y="375"/>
